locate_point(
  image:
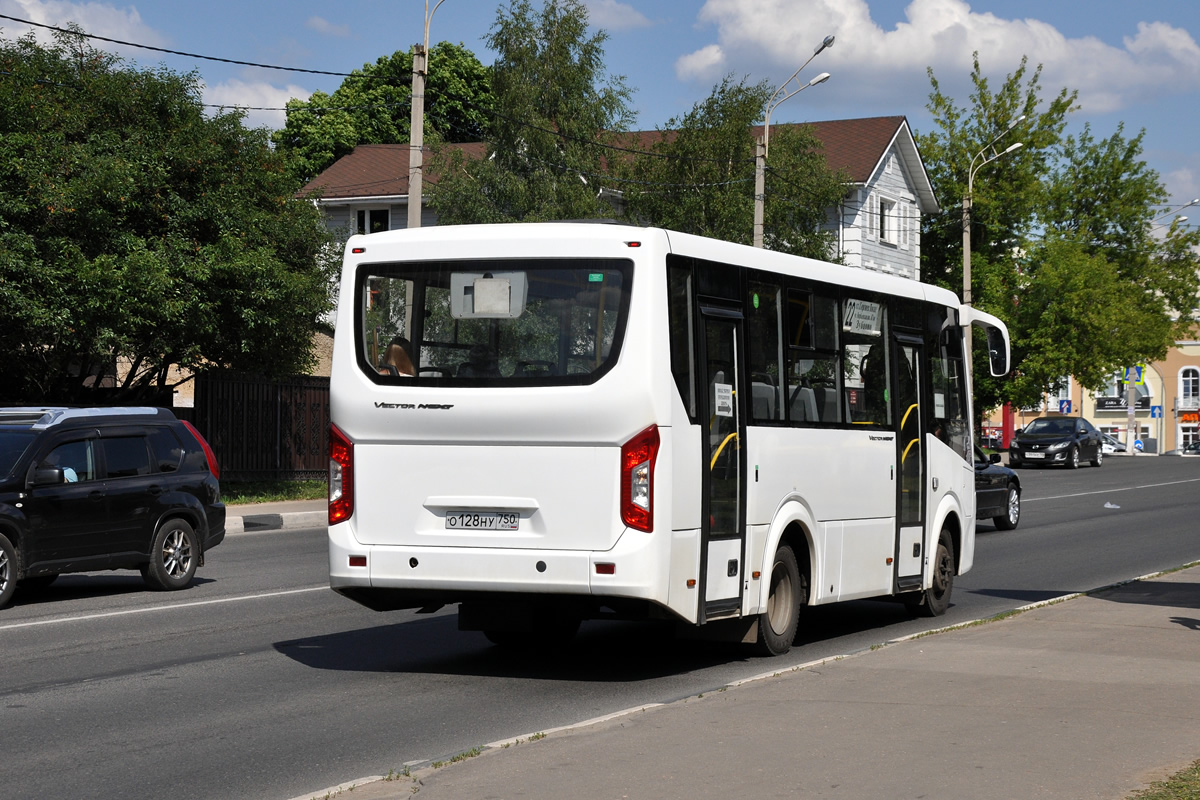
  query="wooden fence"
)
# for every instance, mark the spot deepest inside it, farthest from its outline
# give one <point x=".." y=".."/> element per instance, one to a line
<point x="264" y="429"/>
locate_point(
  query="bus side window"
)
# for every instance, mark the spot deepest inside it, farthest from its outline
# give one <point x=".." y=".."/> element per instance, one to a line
<point x="764" y="331"/>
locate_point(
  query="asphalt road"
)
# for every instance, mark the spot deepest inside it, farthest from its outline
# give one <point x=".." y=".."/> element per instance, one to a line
<point x="259" y="682"/>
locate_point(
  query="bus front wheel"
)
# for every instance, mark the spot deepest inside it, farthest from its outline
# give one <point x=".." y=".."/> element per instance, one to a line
<point x="787" y="592"/>
<point x="934" y="601"/>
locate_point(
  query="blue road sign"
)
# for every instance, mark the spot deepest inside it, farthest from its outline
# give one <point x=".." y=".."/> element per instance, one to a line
<point x="1064" y="406"/>
<point x="1138" y="445"/>
<point x="1136" y="375"/>
<point x="1156" y="412"/>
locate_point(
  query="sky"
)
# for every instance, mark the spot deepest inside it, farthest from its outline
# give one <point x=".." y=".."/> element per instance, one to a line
<point x="1132" y="63"/>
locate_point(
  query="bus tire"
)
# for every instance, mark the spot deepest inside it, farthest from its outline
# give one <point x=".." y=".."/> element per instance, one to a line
<point x="787" y="592"/>
<point x="934" y="601"/>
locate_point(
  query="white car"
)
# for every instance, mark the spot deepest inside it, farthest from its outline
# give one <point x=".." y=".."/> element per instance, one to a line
<point x="1111" y="444"/>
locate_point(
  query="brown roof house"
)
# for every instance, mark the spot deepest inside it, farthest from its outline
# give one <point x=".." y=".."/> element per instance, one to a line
<point x="878" y="222"/>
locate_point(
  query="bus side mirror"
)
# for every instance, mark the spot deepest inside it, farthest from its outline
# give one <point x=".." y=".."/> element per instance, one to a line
<point x="997" y="352"/>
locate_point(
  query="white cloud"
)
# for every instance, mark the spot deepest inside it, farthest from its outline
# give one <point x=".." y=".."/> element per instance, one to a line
<point x="705" y="63"/>
<point x="327" y="28"/>
<point x="615" y="16"/>
<point x="258" y="94"/>
<point x="773" y="37"/>
<point x="100" y="19"/>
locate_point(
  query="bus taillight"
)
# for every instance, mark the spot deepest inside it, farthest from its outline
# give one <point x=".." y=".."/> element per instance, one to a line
<point x="341" y="476"/>
<point x="637" y="478"/>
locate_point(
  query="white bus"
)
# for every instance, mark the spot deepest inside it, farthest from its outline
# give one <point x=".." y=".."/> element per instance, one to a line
<point x="546" y="423"/>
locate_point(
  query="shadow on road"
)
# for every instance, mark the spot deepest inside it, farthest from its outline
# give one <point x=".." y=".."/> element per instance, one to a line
<point x="602" y="651"/>
<point x="84" y="586"/>
<point x="1024" y="596"/>
<point x="1155" y="593"/>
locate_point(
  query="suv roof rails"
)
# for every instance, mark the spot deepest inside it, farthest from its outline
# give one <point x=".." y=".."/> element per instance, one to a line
<point x="47" y="416"/>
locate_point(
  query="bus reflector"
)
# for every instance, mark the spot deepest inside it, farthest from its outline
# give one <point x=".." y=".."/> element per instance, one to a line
<point x="637" y="476"/>
<point x="358" y="249"/>
<point x="633" y="244"/>
<point x="606" y="569"/>
<point x="341" y="476"/>
<point x="358" y="561"/>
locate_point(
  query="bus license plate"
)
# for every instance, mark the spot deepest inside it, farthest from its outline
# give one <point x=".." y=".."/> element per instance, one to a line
<point x="482" y="521"/>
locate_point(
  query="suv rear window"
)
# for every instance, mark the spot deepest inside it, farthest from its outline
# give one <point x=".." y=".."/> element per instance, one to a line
<point x="493" y="322"/>
<point x="125" y="457"/>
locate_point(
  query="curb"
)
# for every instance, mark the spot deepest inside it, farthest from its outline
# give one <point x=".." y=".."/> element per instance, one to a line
<point x="256" y="523"/>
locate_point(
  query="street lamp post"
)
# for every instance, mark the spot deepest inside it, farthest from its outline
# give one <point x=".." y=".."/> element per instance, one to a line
<point x="416" y="128"/>
<point x="761" y="147"/>
<point x="966" y="222"/>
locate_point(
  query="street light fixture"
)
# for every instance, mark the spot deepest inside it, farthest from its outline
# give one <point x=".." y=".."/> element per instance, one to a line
<point x="760" y="151"/>
<point x="1177" y="210"/>
<point x="966" y="223"/>
<point x="416" y="126"/>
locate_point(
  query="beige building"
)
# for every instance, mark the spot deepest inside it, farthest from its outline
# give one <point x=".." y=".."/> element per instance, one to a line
<point x="1167" y="409"/>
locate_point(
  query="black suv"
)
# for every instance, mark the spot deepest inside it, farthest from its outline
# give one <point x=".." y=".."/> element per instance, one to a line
<point x="84" y="489"/>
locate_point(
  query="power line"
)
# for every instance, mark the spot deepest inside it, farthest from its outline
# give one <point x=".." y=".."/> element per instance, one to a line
<point x="182" y="53"/>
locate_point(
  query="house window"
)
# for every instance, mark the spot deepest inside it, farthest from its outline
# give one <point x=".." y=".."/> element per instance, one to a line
<point x="1189" y="387"/>
<point x="372" y="220"/>
<point x="887" y="221"/>
<point x="1062" y="392"/>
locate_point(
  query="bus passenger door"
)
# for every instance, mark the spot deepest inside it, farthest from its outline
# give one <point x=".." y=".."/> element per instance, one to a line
<point x="723" y="516"/>
<point x="910" y="458"/>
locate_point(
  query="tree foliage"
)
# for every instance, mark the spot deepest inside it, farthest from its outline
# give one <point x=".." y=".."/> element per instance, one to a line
<point x="137" y="234"/>
<point x="373" y="106"/>
<point x="553" y="102"/>
<point x="701" y="177"/>
<point x="1063" y="243"/>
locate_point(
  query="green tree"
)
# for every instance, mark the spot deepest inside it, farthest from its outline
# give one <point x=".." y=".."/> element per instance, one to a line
<point x="372" y="106"/>
<point x="554" y="103"/>
<point x="700" y="178"/>
<point x="137" y="234"/>
<point x="1063" y="247"/>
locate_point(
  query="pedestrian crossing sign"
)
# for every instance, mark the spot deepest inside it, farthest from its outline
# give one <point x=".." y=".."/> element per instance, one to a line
<point x="1136" y="375"/>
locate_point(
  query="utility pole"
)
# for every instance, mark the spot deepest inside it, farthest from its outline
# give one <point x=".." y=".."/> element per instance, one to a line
<point x="416" y="125"/>
<point x="760" y="188"/>
<point x="416" y="135"/>
<point x="1131" y="422"/>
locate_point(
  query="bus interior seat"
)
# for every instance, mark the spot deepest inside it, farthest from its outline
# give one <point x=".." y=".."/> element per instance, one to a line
<point x="766" y="400"/>
<point x="535" y="369"/>
<point x="827" y="403"/>
<point x="804" y="404"/>
<point x="480" y="363"/>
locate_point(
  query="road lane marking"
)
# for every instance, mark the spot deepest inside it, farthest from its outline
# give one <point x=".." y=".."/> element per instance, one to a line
<point x="84" y="617"/>
<point x="1109" y="491"/>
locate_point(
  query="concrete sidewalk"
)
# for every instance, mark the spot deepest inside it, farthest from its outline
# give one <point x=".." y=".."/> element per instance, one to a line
<point x="276" y="516"/>
<point x="1092" y="697"/>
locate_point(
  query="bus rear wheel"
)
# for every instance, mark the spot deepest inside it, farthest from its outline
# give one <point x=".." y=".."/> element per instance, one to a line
<point x="787" y="592"/>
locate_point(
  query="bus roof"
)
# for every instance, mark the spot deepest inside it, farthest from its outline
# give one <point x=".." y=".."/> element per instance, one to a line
<point x="675" y="242"/>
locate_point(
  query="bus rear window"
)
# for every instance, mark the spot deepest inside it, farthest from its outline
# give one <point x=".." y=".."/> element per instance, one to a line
<point x="495" y="322"/>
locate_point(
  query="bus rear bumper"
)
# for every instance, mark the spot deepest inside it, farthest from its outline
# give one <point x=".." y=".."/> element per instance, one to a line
<point x="634" y="568"/>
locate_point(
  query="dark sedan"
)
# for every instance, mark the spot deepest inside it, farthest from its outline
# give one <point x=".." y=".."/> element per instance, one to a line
<point x="1057" y="440"/>
<point x="997" y="491"/>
